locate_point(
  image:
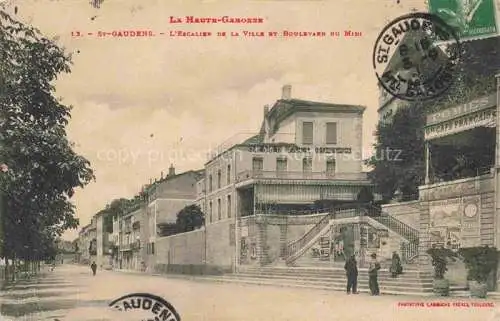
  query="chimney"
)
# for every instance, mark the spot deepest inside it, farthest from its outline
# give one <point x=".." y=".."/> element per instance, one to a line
<point x="266" y="110"/>
<point x="171" y="171"/>
<point x="286" y="92"/>
<point x="161" y="175"/>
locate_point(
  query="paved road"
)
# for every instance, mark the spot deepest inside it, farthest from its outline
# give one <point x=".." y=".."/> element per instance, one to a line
<point x="72" y="293"/>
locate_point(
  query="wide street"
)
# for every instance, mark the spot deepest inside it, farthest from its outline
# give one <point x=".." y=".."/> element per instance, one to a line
<point x="70" y="292"/>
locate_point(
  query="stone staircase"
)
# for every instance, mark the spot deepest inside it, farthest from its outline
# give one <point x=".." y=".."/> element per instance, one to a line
<point x="411" y="282"/>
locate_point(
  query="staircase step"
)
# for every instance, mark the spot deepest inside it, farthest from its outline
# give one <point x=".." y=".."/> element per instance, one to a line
<point x="326" y="272"/>
<point x="340" y="278"/>
<point x="336" y="282"/>
<point x="362" y="288"/>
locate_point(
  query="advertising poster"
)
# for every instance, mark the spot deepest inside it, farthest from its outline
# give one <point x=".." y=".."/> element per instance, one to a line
<point x="471" y="225"/>
<point x="178" y="159"/>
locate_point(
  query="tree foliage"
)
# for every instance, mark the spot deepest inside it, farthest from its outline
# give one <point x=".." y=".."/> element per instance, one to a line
<point x="399" y="163"/>
<point x="44" y="171"/>
<point x="190" y="218"/>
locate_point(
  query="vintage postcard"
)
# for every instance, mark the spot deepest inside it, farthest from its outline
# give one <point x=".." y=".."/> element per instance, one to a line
<point x="249" y="160"/>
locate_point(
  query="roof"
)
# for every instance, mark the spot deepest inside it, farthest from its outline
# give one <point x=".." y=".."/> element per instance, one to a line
<point x="198" y="174"/>
<point x="283" y="109"/>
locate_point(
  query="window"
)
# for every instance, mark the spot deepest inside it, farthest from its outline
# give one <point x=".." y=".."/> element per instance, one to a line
<point x="331" y="133"/>
<point x="152" y="248"/>
<point x="307" y="165"/>
<point x="330" y="166"/>
<point x="228" y="176"/>
<point x="281" y="164"/>
<point x="257" y="164"/>
<point x="219" y="209"/>
<point x="307" y="133"/>
<point x="219" y="179"/>
<point x="210" y="183"/>
<point x="211" y="212"/>
<point x="228" y="206"/>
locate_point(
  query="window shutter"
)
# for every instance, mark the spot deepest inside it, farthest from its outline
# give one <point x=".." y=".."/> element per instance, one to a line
<point x="331" y="133"/>
<point x="307" y="133"/>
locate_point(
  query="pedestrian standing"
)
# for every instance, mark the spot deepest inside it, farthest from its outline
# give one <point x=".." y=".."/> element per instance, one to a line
<point x="93" y="266"/>
<point x="396" y="267"/>
<point x="351" y="270"/>
<point x="373" y="275"/>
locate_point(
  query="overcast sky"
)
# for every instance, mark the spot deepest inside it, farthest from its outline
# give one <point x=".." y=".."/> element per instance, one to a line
<point x="139" y="102"/>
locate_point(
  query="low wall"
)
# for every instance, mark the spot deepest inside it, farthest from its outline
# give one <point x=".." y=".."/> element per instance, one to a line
<point x="221" y="244"/>
<point x="406" y="212"/>
<point x="203" y="251"/>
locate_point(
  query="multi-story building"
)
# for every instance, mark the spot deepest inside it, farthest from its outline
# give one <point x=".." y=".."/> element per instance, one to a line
<point x="130" y="240"/>
<point x="166" y="197"/>
<point x="307" y="155"/>
<point x="103" y="244"/>
<point x="84" y="246"/>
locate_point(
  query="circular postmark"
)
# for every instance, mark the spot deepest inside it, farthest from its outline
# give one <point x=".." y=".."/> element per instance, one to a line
<point x="415" y="56"/>
<point x="147" y="307"/>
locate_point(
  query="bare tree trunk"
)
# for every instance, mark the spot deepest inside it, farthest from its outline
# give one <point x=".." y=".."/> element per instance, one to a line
<point x="14" y="268"/>
<point x="6" y="276"/>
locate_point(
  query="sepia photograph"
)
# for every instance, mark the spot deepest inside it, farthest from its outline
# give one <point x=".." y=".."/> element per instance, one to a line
<point x="249" y="160"/>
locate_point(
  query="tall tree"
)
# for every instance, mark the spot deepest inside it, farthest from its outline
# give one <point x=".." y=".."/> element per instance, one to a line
<point x="399" y="162"/>
<point x="44" y="171"/>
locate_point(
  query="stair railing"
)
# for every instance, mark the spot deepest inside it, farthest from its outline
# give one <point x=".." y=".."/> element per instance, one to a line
<point x="293" y="248"/>
<point x="408" y="232"/>
<point x="409" y="249"/>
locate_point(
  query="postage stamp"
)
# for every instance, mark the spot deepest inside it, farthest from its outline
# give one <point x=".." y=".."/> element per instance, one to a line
<point x="414" y="56"/>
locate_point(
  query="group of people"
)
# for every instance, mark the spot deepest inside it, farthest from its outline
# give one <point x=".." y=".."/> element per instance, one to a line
<point x="351" y="268"/>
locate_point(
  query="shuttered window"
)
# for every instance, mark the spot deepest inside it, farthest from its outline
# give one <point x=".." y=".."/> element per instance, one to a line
<point x="219" y="209"/>
<point x="281" y="164"/>
<point x="331" y="133"/>
<point x="330" y="167"/>
<point x="257" y="164"/>
<point x="307" y="165"/>
<point x="307" y="133"/>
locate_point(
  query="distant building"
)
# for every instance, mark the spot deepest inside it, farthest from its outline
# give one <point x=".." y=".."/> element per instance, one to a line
<point x="165" y="198"/>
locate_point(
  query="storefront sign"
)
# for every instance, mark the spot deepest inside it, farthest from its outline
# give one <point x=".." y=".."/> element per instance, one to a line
<point x="481" y="118"/>
<point x="462" y="110"/>
<point x="274" y="148"/>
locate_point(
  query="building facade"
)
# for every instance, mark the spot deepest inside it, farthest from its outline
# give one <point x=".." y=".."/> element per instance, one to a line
<point x="457" y="206"/>
<point x="307" y="156"/>
<point x="165" y="198"/>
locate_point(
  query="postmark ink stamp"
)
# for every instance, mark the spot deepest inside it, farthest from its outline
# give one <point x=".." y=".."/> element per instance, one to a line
<point x="415" y="56"/>
<point x="145" y="306"/>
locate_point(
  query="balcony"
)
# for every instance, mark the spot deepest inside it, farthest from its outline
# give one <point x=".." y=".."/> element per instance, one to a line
<point x="249" y="175"/>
